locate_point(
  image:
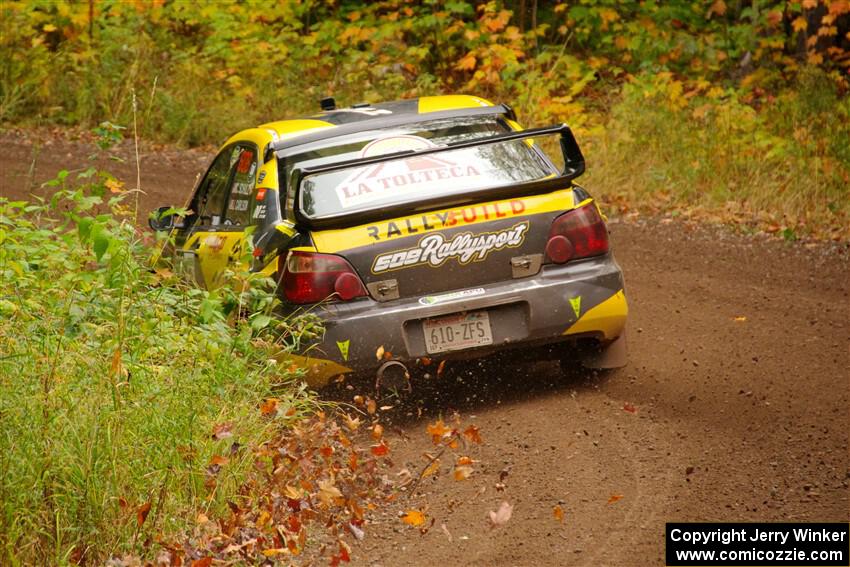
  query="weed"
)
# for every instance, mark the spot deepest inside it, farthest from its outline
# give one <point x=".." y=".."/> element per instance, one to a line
<point x="113" y="378"/>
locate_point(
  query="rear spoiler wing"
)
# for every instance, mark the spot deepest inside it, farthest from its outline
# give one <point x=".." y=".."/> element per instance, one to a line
<point x="573" y="167"/>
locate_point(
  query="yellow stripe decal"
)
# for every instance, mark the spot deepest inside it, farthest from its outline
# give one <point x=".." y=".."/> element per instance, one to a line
<point x="363" y="235"/>
<point x="450" y="102"/>
<point x="608" y="317"/>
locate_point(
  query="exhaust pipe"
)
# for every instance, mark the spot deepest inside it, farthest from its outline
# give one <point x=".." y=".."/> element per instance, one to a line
<point x="393" y="376"/>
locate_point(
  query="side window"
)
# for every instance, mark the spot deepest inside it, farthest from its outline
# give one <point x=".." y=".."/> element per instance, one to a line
<point x="241" y="187"/>
<point x="210" y="199"/>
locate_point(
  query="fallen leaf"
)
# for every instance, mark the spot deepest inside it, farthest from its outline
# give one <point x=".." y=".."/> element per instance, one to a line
<point x="275" y="551"/>
<point x="629" y="408"/>
<point x="344" y="551"/>
<point x="356" y="532"/>
<point x="219" y="460"/>
<point x="371" y="406"/>
<point x="433" y="468"/>
<point x="472" y="434"/>
<point x="377" y="431"/>
<point x="222" y="431"/>
<point x="740" y="318"/>
<point x="437" y="430"/>
<point x="380" y="450"/>
<point x="558" y="513"/>
<point x="269" y="406"/>
<point x="501" y="516"/>
<point x="352" y="423"/>
<point x="462" y="472"/>
<point x="142" y="513"/>
<point x="203" y="562"/>
<point x="379" y="354"/>
<point x="615" y="498"/>
<point x="441" y="367"/>
<point x="413" y="518"/>
<point x="328" y="492"/>
<point x="446" y="531"/>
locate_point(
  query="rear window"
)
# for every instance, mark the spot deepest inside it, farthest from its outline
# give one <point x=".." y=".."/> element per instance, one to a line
<point x="406" y="180"/>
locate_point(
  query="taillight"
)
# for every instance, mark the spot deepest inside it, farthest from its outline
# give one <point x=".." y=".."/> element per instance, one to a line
<point x="580" y="233"/>
<point x="309" y="278"/>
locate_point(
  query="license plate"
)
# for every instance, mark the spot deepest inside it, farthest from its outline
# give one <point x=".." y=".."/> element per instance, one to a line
<point x="456" y="332"/>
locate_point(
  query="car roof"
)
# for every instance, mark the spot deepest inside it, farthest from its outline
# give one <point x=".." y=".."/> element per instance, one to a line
<point x="364" y="116"/>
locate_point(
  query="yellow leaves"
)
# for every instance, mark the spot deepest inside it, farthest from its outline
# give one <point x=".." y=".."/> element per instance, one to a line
<point x="352" y="423"/>
<point x="809" y="4"/>
<point x="328" y="493"/>
<point x="47" y="28"/>
<point x="739" y="319"/>
<point x="799" y="24"/>
<point x="466" y="63"/>
<point x="413" y="518"/>
<point x="432" y="468"/>
<point x="621" y="42"/>
<point x="814" y="59"/>
<point x="379" y="353"/>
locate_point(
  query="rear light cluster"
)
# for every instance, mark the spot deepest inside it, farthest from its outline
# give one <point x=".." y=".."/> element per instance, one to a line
<point x="309" y="278"/>
<point x="580" y="233"/>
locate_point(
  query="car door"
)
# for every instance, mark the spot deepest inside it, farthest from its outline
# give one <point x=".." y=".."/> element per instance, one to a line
<point x="215" y="237"/>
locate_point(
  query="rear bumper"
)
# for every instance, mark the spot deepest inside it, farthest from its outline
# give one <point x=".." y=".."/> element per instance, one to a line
<point x="581" y="298"/>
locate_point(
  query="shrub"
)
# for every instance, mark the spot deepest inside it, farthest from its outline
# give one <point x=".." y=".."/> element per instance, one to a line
<point x="127" y="398"/>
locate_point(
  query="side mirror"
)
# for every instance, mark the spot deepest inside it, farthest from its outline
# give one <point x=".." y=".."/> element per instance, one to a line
<point x="162" y="219"/>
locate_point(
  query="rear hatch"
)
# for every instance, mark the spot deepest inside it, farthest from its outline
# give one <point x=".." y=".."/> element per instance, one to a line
<point x="417" y="218"/>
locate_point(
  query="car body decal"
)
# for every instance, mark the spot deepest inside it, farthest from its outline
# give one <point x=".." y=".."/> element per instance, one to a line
<point x="335" y="241"/>
<point x="434" y="249"/>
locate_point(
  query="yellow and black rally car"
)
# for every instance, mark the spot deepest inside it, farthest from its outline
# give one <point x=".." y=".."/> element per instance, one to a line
<point x="430" y="229"/>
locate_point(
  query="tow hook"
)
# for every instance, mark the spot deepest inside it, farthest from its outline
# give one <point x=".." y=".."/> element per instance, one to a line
<point x="393" y="376"/>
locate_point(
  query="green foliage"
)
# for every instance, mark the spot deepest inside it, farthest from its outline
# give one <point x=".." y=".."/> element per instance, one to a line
<point x="783" y="165"/>
<point x="113" y="378"/>
<point x="768" y="78"/>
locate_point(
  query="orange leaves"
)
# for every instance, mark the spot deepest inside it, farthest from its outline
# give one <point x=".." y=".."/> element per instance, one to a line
<point x="718" y="7"/>
<point x="558" y="514"/>
<point x="437" y="431"/>
<point x="799" y="24"/>
<point x="142" y="513"/>
<point x="269" y="406"/>
<point x="615" y="498"/>
<point x="380" y="450"/>
<point x="473" y="434"/>
<point x="463" y="468"/>
<point x="413" y="518"/>
<point x="466" y="63"/>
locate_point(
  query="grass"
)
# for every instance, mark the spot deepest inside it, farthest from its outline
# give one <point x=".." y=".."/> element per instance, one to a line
<point x="127" y="398"/>
<point x="784" y="168"/>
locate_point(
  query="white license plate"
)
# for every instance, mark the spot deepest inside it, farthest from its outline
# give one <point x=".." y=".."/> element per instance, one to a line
<point x="455" y="332"/>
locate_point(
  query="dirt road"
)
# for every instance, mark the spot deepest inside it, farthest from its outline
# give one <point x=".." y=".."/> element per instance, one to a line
<point x="738" y="420"/>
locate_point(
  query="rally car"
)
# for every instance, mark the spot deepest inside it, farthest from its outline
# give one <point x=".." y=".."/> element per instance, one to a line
<point x="418" y="230"/>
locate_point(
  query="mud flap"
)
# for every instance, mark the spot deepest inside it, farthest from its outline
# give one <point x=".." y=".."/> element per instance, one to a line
<point x="615" y="355"/>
